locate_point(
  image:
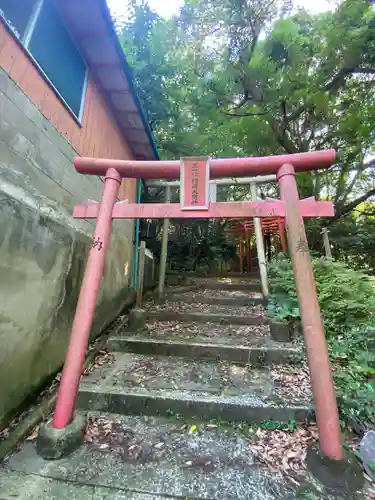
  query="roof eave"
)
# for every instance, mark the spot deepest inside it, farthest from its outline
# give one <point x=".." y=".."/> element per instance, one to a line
<point x="129" y="77"/>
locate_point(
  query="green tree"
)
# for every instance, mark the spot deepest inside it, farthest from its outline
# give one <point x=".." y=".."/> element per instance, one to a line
<point x="245" y="77"/>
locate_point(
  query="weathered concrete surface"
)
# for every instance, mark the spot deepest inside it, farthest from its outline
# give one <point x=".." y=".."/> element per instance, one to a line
<point x="244" y="300"/>
<point x="179" y="289"/>
<point x="170" y="315"/>
<point x="338" y="475"/>
<point x="20" y="486"/>
<point x="152" y="457"/>
<point x="213" y="333"/>
<point x="262" y="352"/>
<point x="244" y="283"/>
<point x="55" y="443"/>
<point x="43" y="251"/>
<point x="216" y="285"/>
<point x="153" y="385"/>
<point x="280" y="331"/>
<point x="197" y="305"/>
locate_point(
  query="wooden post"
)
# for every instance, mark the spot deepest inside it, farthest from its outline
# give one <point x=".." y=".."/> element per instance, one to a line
<point x="260" y="246"/>
<point x="327" y="246"/>
<point x="248" y="256"/>
<point x="164" y="247"/>
<point x="141" y="273"/>
<point x="241" y="253"/>
<point x="282" y="235"/>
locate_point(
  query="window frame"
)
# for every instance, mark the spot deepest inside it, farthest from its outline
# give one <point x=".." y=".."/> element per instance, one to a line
<point x="24" y="42"/>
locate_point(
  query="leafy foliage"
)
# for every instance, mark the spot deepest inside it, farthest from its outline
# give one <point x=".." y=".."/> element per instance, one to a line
<point x="346" y="296"/>
<point x="245" y="77"/>
<point x="283" y="302"/>
<point x="353" y="358"/>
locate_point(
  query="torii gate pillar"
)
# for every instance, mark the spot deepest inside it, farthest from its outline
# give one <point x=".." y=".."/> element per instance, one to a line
<point x="86" y="303"/>
<point x="317" y="353"/>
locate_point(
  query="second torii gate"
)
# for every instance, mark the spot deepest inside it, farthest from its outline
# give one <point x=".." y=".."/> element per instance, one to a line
<point x="270" y="225"/>
<point x="251" y="181"/>
<point x="195" y="204"/>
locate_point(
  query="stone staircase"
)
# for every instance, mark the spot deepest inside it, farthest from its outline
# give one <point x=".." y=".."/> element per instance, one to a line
<point x="167" y="413"/>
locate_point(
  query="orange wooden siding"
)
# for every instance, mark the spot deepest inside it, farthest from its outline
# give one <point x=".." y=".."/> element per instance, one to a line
<point x="97" y="136"/>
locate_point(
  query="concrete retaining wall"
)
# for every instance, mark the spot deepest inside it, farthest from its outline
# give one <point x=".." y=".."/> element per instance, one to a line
<point x="43" y="251"/>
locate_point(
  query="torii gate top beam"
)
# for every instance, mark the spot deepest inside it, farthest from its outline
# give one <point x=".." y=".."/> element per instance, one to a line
<point x="224" y="167"/>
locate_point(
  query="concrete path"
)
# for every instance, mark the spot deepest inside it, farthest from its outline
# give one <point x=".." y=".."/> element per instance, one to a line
<point x="171" y="414"/>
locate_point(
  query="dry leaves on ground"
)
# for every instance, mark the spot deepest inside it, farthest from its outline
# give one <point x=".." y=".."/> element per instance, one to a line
<point x="233" y="280"/>
<point x="112" y="436"/>
<point x="292" y="382"/>
<point x="219" y="294"/>
<point x="102" y="358"/>
<point x="198" y="307"/>
<point x="284" y="451"/>
<point x="242" y="334"/>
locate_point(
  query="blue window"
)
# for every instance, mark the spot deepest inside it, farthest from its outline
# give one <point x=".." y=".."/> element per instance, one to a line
<point x="39" y="26"/>
<point x="17" y="14"/>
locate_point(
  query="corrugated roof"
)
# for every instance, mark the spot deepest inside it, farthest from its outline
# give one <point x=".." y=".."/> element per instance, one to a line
<point x="95" y="34"/>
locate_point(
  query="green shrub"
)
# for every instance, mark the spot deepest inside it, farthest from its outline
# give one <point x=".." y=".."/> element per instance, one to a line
<point x="346" y="297"/>
<point x="353" y="360"/>
<point x="347" y="304"/>
<point x="282" y="302"/>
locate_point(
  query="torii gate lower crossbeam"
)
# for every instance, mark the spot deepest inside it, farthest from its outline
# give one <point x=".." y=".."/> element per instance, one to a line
<point x="290" y="206"/>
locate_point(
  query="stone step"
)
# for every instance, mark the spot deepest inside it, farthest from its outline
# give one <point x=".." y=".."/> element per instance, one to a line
<point x="212" y="333"/>
<point x="227" y="285"/>
<point x="246" y="300"/>
<point x="196" y="305"/>
<point x="234" y="298"/>
<point x="259" y="351"/>
<point x="200" y="317"/>
<point x="179" y="289"/>
<point x="146" y="458"/>
<point x="159" y="385"/>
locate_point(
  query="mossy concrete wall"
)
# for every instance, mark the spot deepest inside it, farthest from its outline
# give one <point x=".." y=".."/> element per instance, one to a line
<point x="43" y="250"/>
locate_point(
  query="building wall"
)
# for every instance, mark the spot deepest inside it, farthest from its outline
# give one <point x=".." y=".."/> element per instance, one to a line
<point x="43" y="250"/>
<point x="97" y="135"/>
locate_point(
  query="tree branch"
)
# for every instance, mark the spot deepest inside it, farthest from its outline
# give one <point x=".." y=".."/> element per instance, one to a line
<point x="365" y="71"/>
<point x="351" y="206"/>
<point x="361" y="168"/>
<point x="296" y="113"/>
<point x="243" y="115"/>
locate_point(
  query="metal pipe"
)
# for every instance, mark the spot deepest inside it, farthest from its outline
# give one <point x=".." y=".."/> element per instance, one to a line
<point x="141" y="273"/>
<point x="260" y="246"/>
<point x="224" y="167"/>
<point x="67" y="393"/>
<point x="164" y="247"/>
<point x="327" y="416"/>
<point x="219" y="182"/>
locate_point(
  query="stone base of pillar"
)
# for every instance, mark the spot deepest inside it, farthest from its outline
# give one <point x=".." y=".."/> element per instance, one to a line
<point x="345" y="476"/>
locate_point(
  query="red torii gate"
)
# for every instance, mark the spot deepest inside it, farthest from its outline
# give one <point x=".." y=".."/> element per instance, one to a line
<point x="195" y="204"/>
<point x="245" y="228"/>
